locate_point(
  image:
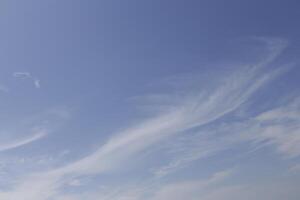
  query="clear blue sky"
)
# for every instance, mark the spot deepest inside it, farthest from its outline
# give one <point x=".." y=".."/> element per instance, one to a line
<point x="149" y="100"/>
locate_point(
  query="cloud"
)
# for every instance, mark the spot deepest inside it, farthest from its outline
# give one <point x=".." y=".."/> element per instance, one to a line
<point x="27" y="75"/>
<point x="22" y="75"/>
<point x="187" y="149"/>
<point x="39" y="125"/>
<point x="277" y="128"/>
<point x="22" y="142"/>
<point x="174" y="190"/>
<point x="37" y="83"/>
<point x="280" y="127"/>
<point x="198" y="109"/>
<point x="260" y="191"/>
<point x="192" y="190"/>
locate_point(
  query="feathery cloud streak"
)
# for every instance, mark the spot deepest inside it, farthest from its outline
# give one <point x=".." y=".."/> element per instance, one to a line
<point x="22" y="142"/>
<point x="197" y="110"/>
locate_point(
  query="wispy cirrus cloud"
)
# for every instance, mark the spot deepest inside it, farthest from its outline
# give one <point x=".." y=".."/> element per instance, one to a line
<point x="277" y="128"/>
<point x="27" y="75"/>
<point x="282" y="189"/>
<point x="33" y="128"/>
<point x="23" y="141"/>
<point x="280" y="127"/>
<point x="190" y="189"/>
<point x="196" y="110"/>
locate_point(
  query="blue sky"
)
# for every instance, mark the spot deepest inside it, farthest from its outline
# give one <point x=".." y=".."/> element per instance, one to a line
<point x="149" y="100"/>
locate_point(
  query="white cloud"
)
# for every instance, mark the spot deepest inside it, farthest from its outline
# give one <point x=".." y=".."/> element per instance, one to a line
<point x="277" y="128"/>
<point x="22" y="142"/>
<point x="27" y="75"/>
<point x="22" y="75"/>
<point x="191" y="190"/>
<point x="187" y="149"/>
<point x="195" y="110"/>
<point x="37" y="83"/>
<point x="173" y="190"/>
<point x="280" y="127"/>
<point x="259" y="191"/>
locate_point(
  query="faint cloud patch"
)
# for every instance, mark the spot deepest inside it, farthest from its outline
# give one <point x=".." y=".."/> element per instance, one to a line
<point x="27" y="75"/>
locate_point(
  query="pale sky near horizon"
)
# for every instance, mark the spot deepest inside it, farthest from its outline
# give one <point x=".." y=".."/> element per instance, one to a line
<point x="149" y="100"/>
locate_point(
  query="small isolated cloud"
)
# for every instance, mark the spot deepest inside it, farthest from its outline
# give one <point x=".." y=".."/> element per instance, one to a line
<point x="22" y="75"/>
<point x="27" y="75"/>
<point x="37" y="83"/>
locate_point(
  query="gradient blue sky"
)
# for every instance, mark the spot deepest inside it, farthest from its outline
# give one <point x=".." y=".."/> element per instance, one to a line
<point x="149" y="100"/>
